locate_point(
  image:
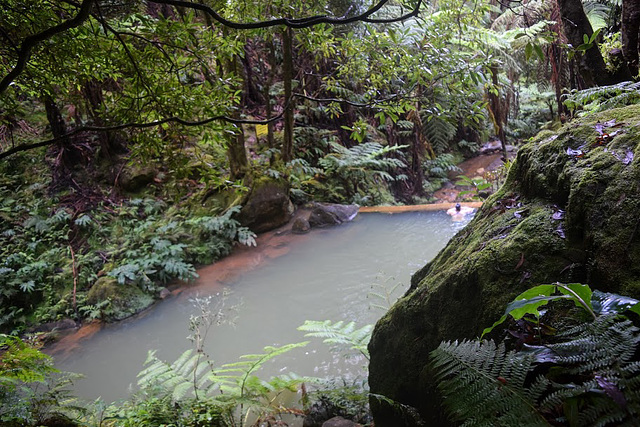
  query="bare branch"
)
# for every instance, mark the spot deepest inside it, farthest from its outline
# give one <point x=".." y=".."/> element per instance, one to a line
<point x="353" y="104"/>
<point x="188" y="123"/>
<point x="293" y="23"/>
<point x="134" y="125"/>
<point x="29" y="42"/>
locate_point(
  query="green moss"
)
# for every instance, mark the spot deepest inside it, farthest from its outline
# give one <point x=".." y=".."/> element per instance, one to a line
<point x="125" y="300"/>
<point x="504" y="251"/>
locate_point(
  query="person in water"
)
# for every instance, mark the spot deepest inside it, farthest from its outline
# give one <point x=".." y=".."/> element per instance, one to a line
<point x="458" y="212"/>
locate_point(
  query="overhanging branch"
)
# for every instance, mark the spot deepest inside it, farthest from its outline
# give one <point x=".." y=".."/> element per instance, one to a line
<point x="291" y="22"/>
<point x="189" y="123"/>
<point x="29" y="42"/>
<point x="134" y="125"/>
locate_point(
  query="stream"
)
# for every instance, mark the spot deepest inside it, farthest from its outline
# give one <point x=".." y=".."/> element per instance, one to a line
<point x="327" y="274"/>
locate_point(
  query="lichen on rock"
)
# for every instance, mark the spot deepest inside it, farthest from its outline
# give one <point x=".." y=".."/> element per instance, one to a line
<point x="568" y="212"/>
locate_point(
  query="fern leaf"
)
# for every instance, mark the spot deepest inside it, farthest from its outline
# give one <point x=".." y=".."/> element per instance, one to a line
<point x="340" y="334"/>
<point x="481" y="382"/>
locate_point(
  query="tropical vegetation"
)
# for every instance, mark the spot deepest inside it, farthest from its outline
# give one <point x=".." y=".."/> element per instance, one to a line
<point x="132" y="132"/>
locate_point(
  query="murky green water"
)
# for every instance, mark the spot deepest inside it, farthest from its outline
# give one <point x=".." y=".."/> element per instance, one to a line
<point x="327" y="274"/>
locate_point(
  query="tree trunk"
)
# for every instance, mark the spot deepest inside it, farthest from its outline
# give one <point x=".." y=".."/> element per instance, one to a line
<point x="630" y="30"/>
<point x="251" y="93"/>
<point x="287" y="57"/>
<point x="237" y="154"/>
<point x="236" y="151"/>
<point x="591" y="66"/>
<point x="267" y="94"/>
<point x="110" y="142"/>
<point x="54" y="117"/>
<point x="67" y="155"/>
<point x="557" y="71"/>
<point x="497" y="111"/>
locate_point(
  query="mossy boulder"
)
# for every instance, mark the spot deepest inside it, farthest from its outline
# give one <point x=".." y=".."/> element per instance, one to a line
<point x="267" y="206"/>
<point x="125" y="300"/>
<point x="569" y="212"/>
<point x="135" y="177"/>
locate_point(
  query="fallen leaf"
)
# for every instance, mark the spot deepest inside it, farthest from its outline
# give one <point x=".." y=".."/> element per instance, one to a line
<point x="612" y="390"/>
<point x="599" y="127"/>
<point x="575" y="153"/>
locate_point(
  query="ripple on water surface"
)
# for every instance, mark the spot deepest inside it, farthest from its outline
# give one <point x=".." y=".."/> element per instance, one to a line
<point x="327" y="274"/>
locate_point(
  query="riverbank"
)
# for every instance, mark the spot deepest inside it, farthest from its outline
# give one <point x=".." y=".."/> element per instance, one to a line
<point x="432" y="207"/>
<point x="269" y="246"/>
<point x="331" y="273"/>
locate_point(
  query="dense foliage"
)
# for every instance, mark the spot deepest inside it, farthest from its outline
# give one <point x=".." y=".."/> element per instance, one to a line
<point x="52" y="253"/>
<point x="130" y="131"/>
<point x="559" y="367"/>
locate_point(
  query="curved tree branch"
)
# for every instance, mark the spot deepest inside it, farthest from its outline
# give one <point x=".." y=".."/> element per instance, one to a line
<point x="293" y="23"/>
<point x="29" y="42"/>
<point x="188" y="123"/>
<point x="134" y="125"/>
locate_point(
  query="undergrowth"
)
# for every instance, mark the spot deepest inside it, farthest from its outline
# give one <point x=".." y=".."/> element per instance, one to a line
<point x="571" y="364"/>
<point x="52" y="252"/>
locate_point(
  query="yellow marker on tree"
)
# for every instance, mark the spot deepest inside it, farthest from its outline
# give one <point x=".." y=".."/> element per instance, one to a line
<point x="261" y="130"/>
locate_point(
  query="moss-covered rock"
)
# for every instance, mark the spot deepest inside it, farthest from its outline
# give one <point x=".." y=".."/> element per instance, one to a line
<point x="267" y="205"/>
<point x="568" y="212"/>
<point x="135" y="176"/>
<point x="124" y="300"/>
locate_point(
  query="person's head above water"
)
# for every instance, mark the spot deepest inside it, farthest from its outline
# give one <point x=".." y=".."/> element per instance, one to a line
<point x="458" y="207"/>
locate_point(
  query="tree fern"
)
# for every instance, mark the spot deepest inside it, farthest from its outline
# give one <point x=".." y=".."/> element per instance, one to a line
<point x="361" y="167"/>
<point x="368" y="156"/>
<point x="438" y="132"/>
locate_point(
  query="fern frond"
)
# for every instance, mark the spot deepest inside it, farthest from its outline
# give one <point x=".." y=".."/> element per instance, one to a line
<point x="340" y="334"/>
<point x="481" y="381"/>
<point x="176" y="379"/>
<point x="605" y="97"/>
<point x="437" y="131"/>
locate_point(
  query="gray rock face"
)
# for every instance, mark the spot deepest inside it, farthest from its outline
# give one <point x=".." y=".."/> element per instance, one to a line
<point x="339" y="422"/>
<point x="267" y="207"/>
<point x="324" y="214"/>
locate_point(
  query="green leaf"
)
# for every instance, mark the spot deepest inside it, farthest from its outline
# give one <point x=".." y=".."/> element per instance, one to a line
<point x="539" y="52"/>
<point x="528" y="50"/>
<point x="635" y="308"/>
<point x="520" y="308"/>
<point x="527" y="302"/>
<point x="582" y="292"/>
